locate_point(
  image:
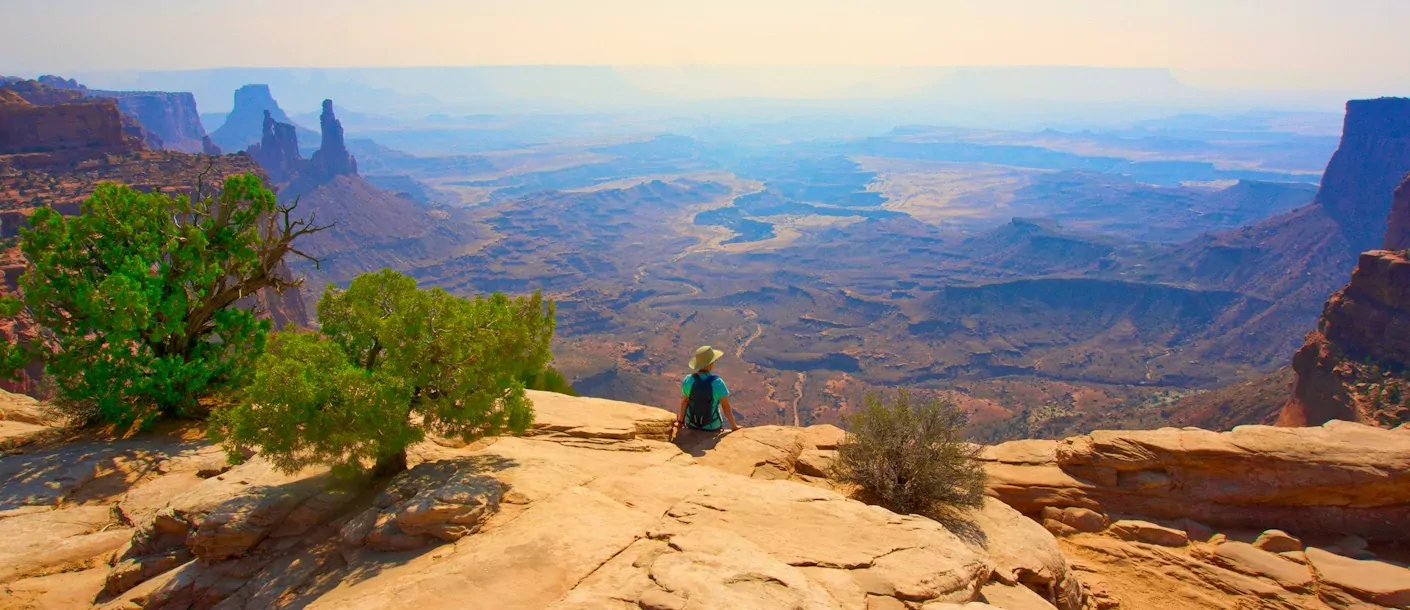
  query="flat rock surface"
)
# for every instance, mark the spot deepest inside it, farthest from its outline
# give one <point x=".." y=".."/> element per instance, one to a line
<point x="34" y="543"/>
<point x="61" y="591"/>
<point x="598" y="417"/>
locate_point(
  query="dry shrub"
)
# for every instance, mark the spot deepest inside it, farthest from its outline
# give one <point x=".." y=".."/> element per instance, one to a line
<point x="909" y="455"/>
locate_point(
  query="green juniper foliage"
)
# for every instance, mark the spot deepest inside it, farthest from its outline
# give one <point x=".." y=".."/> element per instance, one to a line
<point x="393" y="362"/>
<point x="136" y="295"/>
<point x="910" y="456"/>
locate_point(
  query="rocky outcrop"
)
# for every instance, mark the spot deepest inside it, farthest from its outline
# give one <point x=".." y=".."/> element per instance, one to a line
<point x="332" y="158"/>
<point x="1179" y="518"/>
<point x="1356" y="365"/>
<point x="278" y="150"/>
<point x="591" y="511"/>
<point x="37" y="119"/>
<point x="1338" y="479"/>
<point x="1398" y="224"/>
<point x="172" y="117"/>
<point x="245" y="124"/>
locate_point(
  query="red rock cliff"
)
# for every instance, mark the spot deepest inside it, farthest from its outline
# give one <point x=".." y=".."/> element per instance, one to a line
<point x="1356" y="365"/>
<point x="37" y="119"/>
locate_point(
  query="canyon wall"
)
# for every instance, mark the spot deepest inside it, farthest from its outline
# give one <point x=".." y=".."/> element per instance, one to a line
<point x="172" y="117"/>
<point x="1354" y="365"/>
<point x="38" y="119"/>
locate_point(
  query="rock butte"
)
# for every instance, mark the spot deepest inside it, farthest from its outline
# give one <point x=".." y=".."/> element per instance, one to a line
<point x="592" y="509"/>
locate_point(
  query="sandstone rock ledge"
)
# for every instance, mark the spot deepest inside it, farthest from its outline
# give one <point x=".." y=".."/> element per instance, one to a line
<point x="1177" y="518"/>
<point x="590" y="511"/>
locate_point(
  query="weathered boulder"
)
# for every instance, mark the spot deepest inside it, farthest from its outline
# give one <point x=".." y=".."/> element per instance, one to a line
<point x="445" y="500"/>
<point x="825" y="436"/>
<point x="596" y="516"/>
<point x="816" y="462"/>
<point x="1277" y="541"/>
<point x="1136" y="530"/>
<point x="228" y="516"/>
<point x="1250" y="560"/>
<point x="1138" y="575"/>
<point x="762" y="452"/>
<point x="1026" y="556"/>
<point x="1343" y="581"/>
<point x="58" y="591"/>
<point x="1340" y="478"/>
<point x="1077" y="518"/>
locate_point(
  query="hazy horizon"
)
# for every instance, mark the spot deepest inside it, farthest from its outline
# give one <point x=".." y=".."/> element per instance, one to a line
<point x="1298" y="45"/>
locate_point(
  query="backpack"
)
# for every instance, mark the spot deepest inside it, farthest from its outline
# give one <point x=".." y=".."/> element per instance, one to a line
<point x="700" y="409"/>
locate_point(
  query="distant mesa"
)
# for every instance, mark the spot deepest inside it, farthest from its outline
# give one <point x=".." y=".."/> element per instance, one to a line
<point x="163" y="120"/>
<point x="1298" y="258"/>
<point x="172" y="117"/>
<point x="1373" y="158"/>
<point x="245" y="124"/>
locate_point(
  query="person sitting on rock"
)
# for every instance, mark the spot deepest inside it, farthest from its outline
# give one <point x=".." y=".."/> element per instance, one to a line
<point x="704" y="395"/>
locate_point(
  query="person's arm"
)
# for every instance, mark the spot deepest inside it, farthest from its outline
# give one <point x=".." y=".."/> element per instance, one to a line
<point x="729" y="413"/>
<point x="680" y="417"/>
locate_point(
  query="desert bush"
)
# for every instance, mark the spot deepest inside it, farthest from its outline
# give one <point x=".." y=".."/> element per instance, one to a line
<point x="393" y="362"/>
<point x="136" y="296"/>
<point x="909" y="455"/>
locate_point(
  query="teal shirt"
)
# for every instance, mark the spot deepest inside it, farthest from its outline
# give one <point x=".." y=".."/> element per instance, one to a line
<point x="720" y="392"/>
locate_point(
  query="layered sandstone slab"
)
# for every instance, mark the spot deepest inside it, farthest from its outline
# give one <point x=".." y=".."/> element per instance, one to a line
<point x="592" y="510"/>
<point x="1342" y="477"/>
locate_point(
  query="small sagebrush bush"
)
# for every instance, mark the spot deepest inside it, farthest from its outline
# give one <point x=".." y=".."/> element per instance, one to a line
<point x="909" y="455"/>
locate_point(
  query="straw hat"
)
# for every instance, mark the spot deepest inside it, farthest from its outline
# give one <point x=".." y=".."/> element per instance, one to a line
<point x="705" y="356"/>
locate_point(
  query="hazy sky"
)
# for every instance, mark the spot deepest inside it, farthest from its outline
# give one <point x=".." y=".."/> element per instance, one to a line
<point x="1258" y="43"/>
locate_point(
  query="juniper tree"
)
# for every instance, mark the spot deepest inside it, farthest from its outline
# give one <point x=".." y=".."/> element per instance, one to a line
<point x="136" y="296"/>
<point x="392" y="363"/>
